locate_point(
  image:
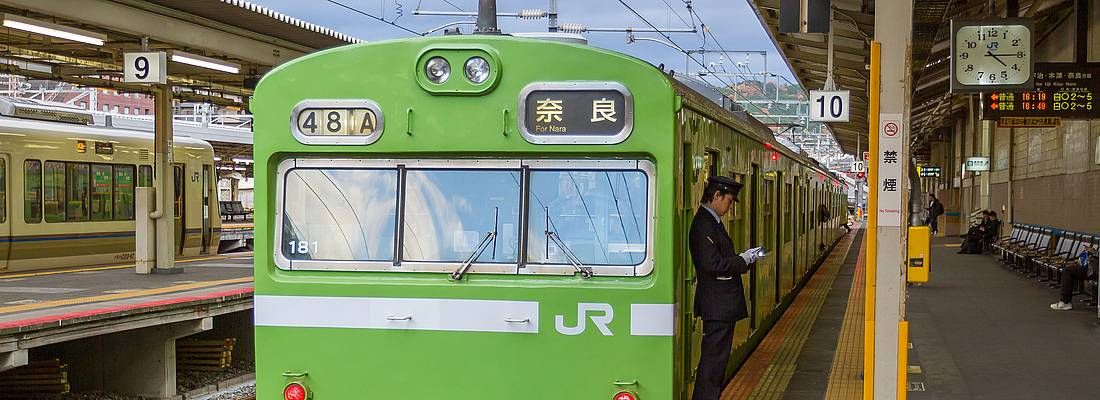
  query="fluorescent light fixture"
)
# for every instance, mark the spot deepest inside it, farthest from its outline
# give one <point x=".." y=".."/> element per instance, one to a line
<point x="55" y="30"/>
<point x="205" y="62"/>
<point x="27" y="65"/>
<point x="242" y="160"/>
<point x="216" y="158"/>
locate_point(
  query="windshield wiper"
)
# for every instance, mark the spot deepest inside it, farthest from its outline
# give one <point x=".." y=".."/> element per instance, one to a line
<point x="586" y="272"/>
<point x="490" y="237"/>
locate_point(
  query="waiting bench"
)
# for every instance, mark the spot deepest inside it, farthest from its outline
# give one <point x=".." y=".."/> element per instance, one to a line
<point x="231" y="209"/>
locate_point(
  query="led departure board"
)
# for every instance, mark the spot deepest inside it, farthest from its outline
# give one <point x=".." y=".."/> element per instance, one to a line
<point x="1064" y="90"/>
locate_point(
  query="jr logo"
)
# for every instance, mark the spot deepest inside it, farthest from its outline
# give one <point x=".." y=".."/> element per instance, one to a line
<point x="601" y="321"/>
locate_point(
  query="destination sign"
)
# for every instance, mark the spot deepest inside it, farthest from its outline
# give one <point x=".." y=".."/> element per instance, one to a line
<point x="928" y="171"/>
<point x="1064" y="90"/>
<point x="576" y="113"/>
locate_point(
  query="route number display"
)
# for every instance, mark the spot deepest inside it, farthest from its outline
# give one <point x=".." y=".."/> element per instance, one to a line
<point x="829" y="106"/>
<point x="148" y="67"/>
<point x="337" y="121"/>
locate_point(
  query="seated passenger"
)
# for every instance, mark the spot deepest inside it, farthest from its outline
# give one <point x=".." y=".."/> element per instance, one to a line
<point x="972" y="244"/>
<point x="1084" y="269"/>
<point x="993" y="230"/>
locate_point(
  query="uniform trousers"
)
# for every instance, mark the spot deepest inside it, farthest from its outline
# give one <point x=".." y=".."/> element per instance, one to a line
<point x="710" y="377"/>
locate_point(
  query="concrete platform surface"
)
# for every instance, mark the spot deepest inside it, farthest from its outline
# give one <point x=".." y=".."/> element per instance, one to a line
<point x="54" y="297"/>
<point x="980" y="330"/>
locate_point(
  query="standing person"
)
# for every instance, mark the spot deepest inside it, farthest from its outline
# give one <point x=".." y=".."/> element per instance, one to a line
<point x="935" y="208"/>
<point x="719" y="295"/>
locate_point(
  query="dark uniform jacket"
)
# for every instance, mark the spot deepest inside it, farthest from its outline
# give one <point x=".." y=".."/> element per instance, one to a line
<point x="718" y="293"/>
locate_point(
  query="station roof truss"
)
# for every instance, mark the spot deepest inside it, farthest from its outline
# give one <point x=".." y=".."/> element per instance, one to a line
<point x="932" y="105"/>
<point x="235" y="31"/>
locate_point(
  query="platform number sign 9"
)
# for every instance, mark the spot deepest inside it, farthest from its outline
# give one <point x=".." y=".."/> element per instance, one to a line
<point x="829" y="106"/>
<point x="148" y="67"/>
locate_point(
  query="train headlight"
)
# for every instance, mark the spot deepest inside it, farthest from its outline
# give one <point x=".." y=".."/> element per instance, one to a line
<point x="477" y="70"/>
<point x="437" y="69"/>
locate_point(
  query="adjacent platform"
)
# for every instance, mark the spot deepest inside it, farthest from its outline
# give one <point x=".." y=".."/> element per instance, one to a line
<point x="45" y="308"/>
<point x="977" y="330"/>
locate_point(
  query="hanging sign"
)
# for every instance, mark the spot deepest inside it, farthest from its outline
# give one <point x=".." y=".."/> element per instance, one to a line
<point x="829" y="106"/>
<point x="890" y="169"/>
<point x="977" y="164"/>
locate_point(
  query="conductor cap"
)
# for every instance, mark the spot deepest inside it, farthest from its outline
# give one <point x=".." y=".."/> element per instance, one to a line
<point x="724" y="184"/>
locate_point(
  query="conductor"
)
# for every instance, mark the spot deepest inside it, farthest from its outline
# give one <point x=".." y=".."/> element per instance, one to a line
<point x="719" y="296"/>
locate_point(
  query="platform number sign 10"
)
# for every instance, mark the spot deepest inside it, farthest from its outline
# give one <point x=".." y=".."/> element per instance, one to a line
<point x="146" y="67"/>
<point x="829" y="106"/>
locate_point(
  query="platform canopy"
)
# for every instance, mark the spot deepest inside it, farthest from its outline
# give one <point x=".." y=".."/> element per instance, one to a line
<point x="248" y="40"/>
<point x="932" y="106"/>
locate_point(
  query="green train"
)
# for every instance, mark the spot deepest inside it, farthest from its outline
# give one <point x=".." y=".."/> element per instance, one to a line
<point x="491" y="217"/>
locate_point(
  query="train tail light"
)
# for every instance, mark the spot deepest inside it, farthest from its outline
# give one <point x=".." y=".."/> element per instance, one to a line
<point x="624" y="396"/>
<point x="295" y="391"/>
<point x="775" y="156"/>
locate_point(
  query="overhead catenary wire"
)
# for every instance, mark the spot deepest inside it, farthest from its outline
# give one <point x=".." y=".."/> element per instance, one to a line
<point x="380" y="19"/>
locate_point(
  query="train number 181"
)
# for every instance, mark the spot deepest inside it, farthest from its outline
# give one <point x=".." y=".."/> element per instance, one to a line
<point x="302" y="247"/>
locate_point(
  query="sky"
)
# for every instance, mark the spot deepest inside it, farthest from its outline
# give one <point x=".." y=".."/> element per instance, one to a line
<point x="732" y="23"/>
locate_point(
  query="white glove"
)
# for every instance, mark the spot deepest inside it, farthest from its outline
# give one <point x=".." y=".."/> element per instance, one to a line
<point x="751" y="255"/>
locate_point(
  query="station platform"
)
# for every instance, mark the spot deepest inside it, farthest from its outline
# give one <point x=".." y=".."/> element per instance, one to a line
<point x="978" y="330"/>
<point x="48" y="307"/>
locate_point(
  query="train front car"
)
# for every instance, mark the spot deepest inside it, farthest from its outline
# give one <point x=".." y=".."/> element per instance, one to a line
<point x="465" y="217"/>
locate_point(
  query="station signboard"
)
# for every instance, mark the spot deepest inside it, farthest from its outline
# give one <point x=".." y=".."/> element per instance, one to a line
<point x="977" y="164"/>
<point x="1064" y="90"/>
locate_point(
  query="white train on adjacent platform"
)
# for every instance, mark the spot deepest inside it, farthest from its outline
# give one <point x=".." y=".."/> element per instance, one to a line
<point x="67" y="189"/>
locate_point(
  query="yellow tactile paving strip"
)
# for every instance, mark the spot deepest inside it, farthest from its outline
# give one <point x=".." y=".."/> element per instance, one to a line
<point x="119" y="296"/>
<point x="769" y="369"/>
<point x="846" y="374"/>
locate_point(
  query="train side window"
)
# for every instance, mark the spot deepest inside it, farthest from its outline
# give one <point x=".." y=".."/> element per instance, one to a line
<point x="450" y="213"/>
<point x="32" y="185"/>
<point x="124" y="192"/>
<point x="600" y="216"/>
<point x="77" y="188"/>
<point x="334" y="214"/>
<point x="102" y="188"/>
<point x="53" y="191"/>
<point x="145" y="176"/>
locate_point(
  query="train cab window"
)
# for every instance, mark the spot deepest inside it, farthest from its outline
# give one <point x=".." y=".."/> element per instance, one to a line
<point x="450" y="215"/>
<point x="599" y="216"/>
<point x="124" y="192"/>
<point x="53" y="191"/>
<point x="32" y="186"/>
<point x="145" y="176"/>
<point x="102" y="202"/>
<point x="340" y="214"/>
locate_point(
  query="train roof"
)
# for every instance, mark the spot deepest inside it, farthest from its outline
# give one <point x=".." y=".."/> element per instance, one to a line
<point x="57" y="119"/>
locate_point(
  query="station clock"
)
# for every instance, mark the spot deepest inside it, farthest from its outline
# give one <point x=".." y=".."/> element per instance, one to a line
<point x="992" y="54"/>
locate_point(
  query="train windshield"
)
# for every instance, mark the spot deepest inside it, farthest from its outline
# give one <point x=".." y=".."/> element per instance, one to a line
<point x="503" y="216"/>
<point x="600" y="217"/>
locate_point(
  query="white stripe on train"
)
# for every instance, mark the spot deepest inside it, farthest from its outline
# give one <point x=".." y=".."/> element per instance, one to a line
<point x="451" y="315"/>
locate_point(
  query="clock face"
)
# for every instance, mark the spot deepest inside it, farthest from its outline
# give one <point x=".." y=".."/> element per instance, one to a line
<point x="993" y="55"/>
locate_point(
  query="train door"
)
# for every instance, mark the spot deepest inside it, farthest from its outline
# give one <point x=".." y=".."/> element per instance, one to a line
<point x="5" y="223"/>
<point x="693" y="326"/>
<point x="754" y="215"/>
<point x="207" y="195"/>
<point x="178" y="180"/>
